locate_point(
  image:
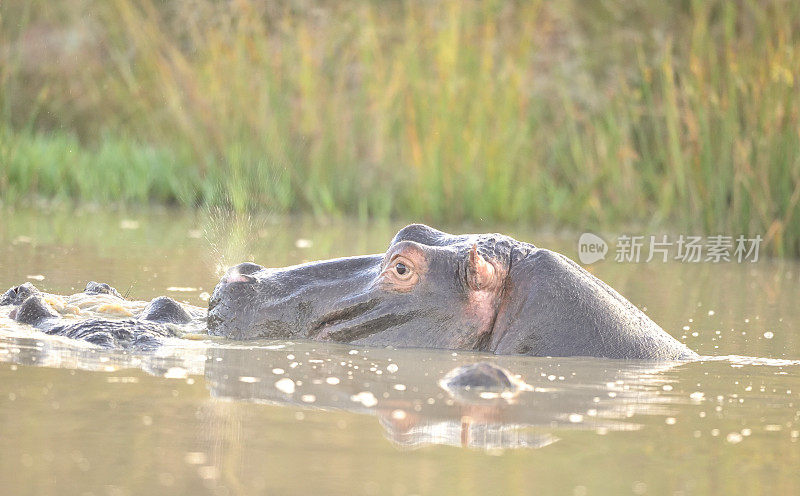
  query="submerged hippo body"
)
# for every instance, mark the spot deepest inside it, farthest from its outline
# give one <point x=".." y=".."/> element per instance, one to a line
<point x="481" y="292"/>
<point x="148" y="326"/>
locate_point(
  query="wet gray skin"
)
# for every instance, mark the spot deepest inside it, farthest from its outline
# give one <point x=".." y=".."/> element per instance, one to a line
<point x="481" y="292"/>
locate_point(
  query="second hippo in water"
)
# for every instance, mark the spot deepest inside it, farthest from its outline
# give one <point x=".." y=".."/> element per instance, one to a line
<point x="480" y="292"/>
<point x="138" y="325"/>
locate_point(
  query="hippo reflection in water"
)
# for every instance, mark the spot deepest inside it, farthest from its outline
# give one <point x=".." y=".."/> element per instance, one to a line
<point x="480" y="292"/>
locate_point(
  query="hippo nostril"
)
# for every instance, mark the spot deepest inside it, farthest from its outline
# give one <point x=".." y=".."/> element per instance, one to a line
<point x="246" y="268"/>
<point x="241" y="273"/>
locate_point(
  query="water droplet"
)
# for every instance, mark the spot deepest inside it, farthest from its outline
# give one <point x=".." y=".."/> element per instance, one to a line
<point x="734" y="437"/>
<point x="176" y="373"/>
<point x="365" y="398"/>
<point x="285" y="385"/>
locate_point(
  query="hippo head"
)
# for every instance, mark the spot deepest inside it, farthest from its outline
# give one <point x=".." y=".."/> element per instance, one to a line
<point x="482" y="292"/>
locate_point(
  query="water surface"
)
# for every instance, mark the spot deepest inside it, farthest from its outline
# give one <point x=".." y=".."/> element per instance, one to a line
<point x="277" y="417"/>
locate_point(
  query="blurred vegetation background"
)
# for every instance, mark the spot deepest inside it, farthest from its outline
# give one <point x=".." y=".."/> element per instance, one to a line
<point x="570" y="114"/>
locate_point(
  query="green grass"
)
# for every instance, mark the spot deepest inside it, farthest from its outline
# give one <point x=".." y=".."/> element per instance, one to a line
<point x="681" y="115"/>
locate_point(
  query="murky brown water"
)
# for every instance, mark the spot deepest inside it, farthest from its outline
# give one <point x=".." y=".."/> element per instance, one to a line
<point x="207" y="417"/>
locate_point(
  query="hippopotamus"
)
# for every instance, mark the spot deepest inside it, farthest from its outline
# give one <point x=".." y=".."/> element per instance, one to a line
<point x="150" y="323"/>
<point x="479" y="292"/>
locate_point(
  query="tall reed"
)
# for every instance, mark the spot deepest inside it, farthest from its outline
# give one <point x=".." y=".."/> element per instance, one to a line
<point x="675" y="114"/>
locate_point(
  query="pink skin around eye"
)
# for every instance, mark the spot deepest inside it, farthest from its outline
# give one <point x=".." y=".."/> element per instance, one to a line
<point x="398" y="282"/>
<point x="391" y="277"/>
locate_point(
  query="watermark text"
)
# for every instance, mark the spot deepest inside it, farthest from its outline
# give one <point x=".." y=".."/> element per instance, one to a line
<point x="718" y="248"/>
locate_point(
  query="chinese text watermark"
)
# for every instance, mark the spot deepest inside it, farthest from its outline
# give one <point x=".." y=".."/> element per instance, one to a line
<point x="686" y="249"/>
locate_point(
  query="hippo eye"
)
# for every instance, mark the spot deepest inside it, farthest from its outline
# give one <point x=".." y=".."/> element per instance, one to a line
<point x="401" y="274"/>
<point x="401" y="268"/>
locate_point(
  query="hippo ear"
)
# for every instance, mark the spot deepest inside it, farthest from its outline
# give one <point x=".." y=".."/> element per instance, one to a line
<point x="480" y="273"/>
